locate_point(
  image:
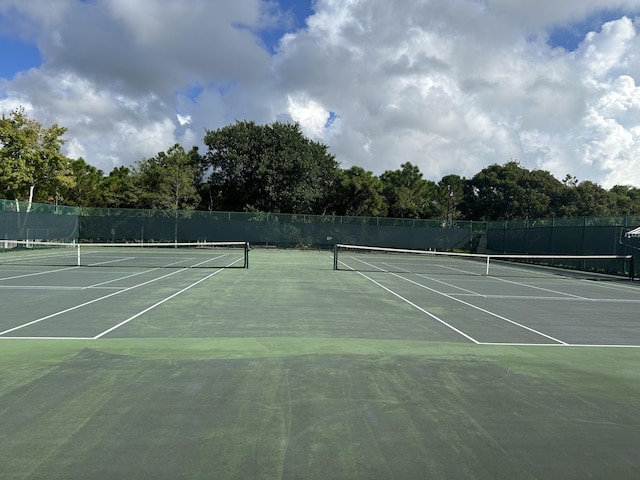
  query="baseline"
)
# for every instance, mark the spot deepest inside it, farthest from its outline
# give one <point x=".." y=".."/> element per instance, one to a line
<point x="566" y="345"/>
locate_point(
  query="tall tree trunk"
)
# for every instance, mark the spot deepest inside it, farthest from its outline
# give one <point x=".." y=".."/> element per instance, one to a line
<point x="31" y="189"/>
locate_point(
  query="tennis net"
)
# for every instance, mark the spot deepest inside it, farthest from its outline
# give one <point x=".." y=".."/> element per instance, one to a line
<point x="144" y="255"/>
<point x="377" y="259"/>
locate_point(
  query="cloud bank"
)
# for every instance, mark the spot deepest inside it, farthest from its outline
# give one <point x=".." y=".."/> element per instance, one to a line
<point x="449" y="85"/>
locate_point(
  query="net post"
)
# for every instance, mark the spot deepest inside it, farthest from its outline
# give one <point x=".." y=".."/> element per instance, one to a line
<point x="632" y="268"/>
<point x="246" y="255"/>
<point x="79" y="263"/>
<point x="487" y="269"/>
<point x="335" y="257"/>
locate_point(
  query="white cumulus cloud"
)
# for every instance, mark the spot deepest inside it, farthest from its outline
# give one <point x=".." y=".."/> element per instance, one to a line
<point x="183" y="119"/>
<point x="451" y="86"/>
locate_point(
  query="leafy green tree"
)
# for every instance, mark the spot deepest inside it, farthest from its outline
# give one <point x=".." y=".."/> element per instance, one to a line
<point x="408" y="194"/>
<point x="511" y="192"/>
<point x="234" y="155"/>
<point x="270" y="168"/>
<point x="118" y="189"/>
<point x="626" y="200"/>
<point x="451" y="197"/>
<point x="541" y="193"/>
<point x="593" y="200"/>
<point x="587" y="199"/>
<point x="566" y="202"/>
<point x="168" y="181"/>
<point x="30" y="157"/>
<point x="86" y="188"/>
<point x="358" y="193"/>
<point x="496" y="193"/>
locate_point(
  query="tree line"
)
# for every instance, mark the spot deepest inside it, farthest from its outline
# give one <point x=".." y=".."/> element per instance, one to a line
<point x="275" y="168"/>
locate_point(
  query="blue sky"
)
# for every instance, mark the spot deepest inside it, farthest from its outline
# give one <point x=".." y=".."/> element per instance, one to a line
<point x="451" y="86"/>
<point x="17" y="56"/>
<point x="570" y="35"/>
<point x="297" y="12"/>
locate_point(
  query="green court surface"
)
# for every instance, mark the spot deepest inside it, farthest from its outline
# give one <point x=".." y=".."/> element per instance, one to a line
<point x="291" y="370"/>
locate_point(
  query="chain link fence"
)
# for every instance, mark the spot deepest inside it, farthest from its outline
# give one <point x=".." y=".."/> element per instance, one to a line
<point x="562" y="236"/>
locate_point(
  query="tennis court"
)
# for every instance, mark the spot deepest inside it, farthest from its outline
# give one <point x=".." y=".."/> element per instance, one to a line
<point x="291" y="369"/>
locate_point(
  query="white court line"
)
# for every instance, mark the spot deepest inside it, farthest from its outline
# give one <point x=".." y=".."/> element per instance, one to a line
<point x="511" y="344"/>
<point x="93" y="286"/>
<point x="133" y="317"/>
<point x="89" y="302"/>
<point x="467" y="292"/>
<point x="489" y="344"/>
<point x="513" y="322"/>
<point x="124" y="322"/>
<point x="473" y="274"/>
<point x="446" y="267"/>
<point x="47" y="287"/>
<point x="97" y="264"/>
<point x="111" y="295"/>
<point x="46" y="338"/>
<point x="96" y="285"/>
<point x="564" y="295"/>
<point x="180" y="261"/>
<point x="464" y="303"/>
<point x="101" y="284"/>
<point x="616" y="285"/>
<point x="24" y="275"/>
<point x="540" y="288"/>
<point x="552" y="299"/>
<point x="564" y="345"/>
<point x="493" y="278"/>
<point x="460" y="332"/>
<point x="124" y="259"/>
